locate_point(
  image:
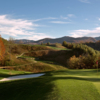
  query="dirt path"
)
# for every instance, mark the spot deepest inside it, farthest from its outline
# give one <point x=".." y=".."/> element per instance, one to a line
<point x="22" y="77"/>
<point x="20" y="55"/>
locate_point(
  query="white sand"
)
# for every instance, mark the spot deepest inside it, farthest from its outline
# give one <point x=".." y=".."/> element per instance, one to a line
<point x="22" y="77"/>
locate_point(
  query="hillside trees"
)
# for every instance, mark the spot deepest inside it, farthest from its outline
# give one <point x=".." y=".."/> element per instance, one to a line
<point x="84" y="56"/>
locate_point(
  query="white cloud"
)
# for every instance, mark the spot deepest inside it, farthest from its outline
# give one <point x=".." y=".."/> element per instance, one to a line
<point x="37" y="36"/>
<point x="44" y="19"/>
<point x="99" y="19"/>
<point x="63" y="17"/>
<point x="70" y="15"/>
<point x="79" y="33"/>
<point x="59" y="22"/>
<point x="18" y="27"/>
<point x="84" y="1"/>
<point x="86" y="19"/>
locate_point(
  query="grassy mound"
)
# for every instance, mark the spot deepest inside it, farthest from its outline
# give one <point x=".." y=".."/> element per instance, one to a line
<point x="39" y="66"/>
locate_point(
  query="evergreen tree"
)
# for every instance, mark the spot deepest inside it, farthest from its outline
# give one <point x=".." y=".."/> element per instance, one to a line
<point x="64" y="43"/>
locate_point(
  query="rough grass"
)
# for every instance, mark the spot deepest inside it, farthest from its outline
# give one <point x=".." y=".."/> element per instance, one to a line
<point x="57" y="85"/>
<point x="38" y="66"/>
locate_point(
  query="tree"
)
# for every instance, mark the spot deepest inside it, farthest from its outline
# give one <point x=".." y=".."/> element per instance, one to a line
<point x="11" y="40"/>
<point x="64" y="43"/>
<point x="2" y="49"/>
<point x="48" y="43"/>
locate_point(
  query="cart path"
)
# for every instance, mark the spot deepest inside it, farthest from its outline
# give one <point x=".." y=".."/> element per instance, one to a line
<point x="22" y="77"/>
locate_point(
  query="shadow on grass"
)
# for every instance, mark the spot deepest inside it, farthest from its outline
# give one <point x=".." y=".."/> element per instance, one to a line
<point x="4" y="75"/>
<point x="29" y="89"/>
<point x="48" y="62"/>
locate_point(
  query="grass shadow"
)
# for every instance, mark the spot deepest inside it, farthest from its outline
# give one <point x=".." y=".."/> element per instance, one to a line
<point x="28" y="89"/>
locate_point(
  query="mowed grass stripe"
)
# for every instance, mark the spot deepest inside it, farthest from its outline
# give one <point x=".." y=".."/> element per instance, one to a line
<point x="76" y="89"/>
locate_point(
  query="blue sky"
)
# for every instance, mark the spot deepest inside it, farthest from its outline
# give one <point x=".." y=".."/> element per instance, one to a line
<point x="37" y="19"/>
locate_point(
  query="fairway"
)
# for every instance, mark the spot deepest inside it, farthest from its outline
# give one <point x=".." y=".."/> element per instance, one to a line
<point x="55" y="85"/>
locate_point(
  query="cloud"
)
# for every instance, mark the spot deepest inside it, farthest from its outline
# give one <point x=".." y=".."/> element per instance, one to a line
<point x="36" y="36"/>
<point x="79" y="33"/>
<point x="63" y="17"/>
<point x="70" y="15"/>
<point x="86" y="19"/>
<point x="44" y="19"/>
<point x="18" y="27"/>
<point x="99" y="19"/>
<point x="59" y="22"/>
<point x="84" y="1"/>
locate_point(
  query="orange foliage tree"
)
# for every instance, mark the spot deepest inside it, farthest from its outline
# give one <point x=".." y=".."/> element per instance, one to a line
<point x="2" y="49"/>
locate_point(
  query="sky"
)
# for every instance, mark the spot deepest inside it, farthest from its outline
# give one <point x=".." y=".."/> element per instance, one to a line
<point x="38" y="19"/>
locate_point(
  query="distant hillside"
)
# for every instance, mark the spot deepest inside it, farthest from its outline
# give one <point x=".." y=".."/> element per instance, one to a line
<point x="97" y="38"/>
<point x="57" y="40"/>
<point x="68" y="39"/>
<point x="24" y="41"/>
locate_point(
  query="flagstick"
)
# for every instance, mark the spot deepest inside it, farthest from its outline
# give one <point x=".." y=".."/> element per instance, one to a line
<point x="97" y="69"/>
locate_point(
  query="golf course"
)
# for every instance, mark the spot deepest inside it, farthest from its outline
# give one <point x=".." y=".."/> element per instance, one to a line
<point x="66" y="71"/>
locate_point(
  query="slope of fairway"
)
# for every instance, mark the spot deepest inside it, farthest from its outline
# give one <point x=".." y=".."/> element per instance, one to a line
<point x="57" y="85"/>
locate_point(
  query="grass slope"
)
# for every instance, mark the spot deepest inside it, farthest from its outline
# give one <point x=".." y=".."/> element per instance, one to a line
<point x="56" y="85"/>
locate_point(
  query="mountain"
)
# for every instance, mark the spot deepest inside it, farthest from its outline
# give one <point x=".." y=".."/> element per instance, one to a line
<point x="68" y="39"/>
<point x="24" y="41"/>
<point x="97" y="38"/>
<point x="57" y="40"/>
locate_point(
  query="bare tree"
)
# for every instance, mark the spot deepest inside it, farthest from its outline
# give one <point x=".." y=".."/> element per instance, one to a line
<point x="11" y="44"/>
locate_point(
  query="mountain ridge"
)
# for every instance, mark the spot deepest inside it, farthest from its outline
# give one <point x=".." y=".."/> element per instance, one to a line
<point x="59" y="40"/>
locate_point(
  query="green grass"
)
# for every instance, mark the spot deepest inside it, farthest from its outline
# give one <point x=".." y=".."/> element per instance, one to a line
<point x="6" y="73"/>
<point x="56" y="48"/>
<point x="56" y="85"/>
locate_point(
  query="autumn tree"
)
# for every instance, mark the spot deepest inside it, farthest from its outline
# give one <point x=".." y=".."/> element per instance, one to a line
<point x="2" y="49"/>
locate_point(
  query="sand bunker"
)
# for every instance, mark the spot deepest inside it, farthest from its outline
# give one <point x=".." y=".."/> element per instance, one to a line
<point x="22" y="77"/>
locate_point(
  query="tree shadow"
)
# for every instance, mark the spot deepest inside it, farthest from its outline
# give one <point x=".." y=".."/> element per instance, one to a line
<point x="4" y="75"/>
<point x="27" y="89"/>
